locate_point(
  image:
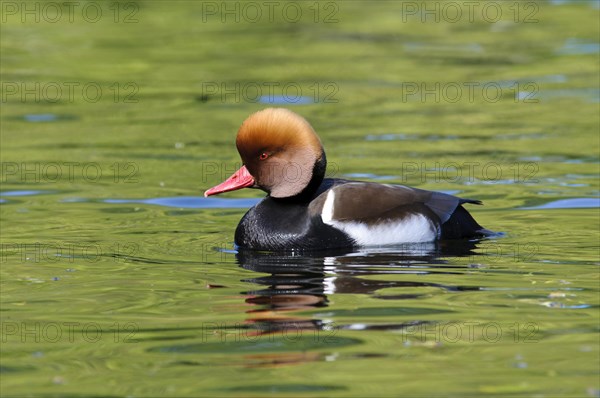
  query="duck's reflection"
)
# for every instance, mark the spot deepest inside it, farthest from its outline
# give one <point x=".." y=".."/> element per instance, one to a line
<point x="302" y="282"/>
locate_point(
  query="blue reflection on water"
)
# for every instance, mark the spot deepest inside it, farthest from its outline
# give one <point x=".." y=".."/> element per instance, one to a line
<point x="574" y="203"/>
<point x="193" y="202"/>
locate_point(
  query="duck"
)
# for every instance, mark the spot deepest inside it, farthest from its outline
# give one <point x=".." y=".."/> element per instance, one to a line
<point x="282" y="155"/>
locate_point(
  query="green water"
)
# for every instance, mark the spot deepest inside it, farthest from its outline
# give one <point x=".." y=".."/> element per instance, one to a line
<point x="119" y="279"/>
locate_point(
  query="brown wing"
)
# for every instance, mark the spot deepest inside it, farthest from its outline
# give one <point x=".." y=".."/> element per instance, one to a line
<point x="369" y="202"/>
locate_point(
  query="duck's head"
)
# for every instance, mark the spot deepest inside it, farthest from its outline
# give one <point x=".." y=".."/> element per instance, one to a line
<point x="281" y="153"/>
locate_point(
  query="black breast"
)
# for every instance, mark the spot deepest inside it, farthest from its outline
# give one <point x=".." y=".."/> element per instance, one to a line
<point x="279" y="224"/>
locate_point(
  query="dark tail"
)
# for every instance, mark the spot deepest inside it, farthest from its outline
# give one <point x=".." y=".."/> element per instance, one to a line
<point x="462" y="225"/>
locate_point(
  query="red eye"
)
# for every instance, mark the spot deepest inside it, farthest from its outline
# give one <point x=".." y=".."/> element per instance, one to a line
<point x="263" y="156"/>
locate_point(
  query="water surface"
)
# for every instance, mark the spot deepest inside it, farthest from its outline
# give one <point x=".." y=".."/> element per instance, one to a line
<point x="119" y="279"/>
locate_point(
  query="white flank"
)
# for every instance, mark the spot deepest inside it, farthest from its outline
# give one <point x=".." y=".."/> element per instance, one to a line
<point x="412" y="229"/>
<point x="327" y="212"/>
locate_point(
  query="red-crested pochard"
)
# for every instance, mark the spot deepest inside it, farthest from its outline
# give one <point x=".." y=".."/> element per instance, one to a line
<point x="283" y="156"/>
